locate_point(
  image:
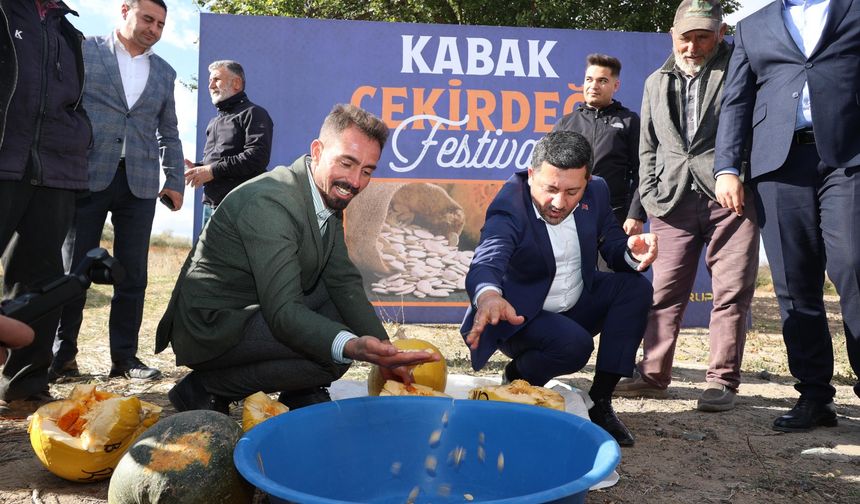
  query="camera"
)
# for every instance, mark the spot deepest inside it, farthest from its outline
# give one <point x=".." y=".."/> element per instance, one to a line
<point x="97" y="267"/>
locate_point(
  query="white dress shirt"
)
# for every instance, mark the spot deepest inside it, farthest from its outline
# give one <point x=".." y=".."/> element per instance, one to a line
<point x="323" y="213"/>
<point x="566" y="287"/>
<point x="134" y="72"/>
<point x="804" y="20"/>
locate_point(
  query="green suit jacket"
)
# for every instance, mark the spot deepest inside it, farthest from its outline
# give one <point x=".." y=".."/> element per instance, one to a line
<point x="262" y="251"/>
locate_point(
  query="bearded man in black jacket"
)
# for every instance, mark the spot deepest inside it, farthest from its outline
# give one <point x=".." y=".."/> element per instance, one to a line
<point x="238" y="139"/>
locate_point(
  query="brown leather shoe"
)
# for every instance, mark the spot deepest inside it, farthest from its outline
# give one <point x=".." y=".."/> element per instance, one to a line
<point x="21" y="408"/>
<point x="636" y="386"/>
<point x="58" y="370"/>
<point x="716" y="397"/>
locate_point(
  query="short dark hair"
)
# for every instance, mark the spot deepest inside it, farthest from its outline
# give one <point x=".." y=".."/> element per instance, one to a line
<point x="344" y="116"/>
<point x="606" y="61"/>
<point x="232" y="66"/>
<point x="160" y="3"/>
<point x="564" y="150"/>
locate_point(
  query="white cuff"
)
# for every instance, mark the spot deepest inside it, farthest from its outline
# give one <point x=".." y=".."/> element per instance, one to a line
<point x="733" y="171"/>
<point x="484" y="289"/>
<point x="337" y="347"/>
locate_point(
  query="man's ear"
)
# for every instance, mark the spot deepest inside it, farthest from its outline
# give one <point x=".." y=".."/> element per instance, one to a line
<point x="316" y="150"/>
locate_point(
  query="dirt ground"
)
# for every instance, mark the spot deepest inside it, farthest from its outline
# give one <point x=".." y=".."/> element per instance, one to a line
<point x="681" y="455"/>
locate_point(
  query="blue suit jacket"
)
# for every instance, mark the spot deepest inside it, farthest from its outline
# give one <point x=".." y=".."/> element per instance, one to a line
<point x="515" y="254"/>
<point x="149" y="127"/>
<point x="765" y="79"/>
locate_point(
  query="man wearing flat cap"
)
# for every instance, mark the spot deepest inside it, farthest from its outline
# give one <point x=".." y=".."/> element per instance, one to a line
<point x="680" y="111"/>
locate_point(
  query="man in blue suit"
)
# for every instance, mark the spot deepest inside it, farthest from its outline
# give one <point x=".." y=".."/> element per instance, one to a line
<point x="536" y="293"/>
<point x="793" y="89"/>
<point x="128" y="94"/>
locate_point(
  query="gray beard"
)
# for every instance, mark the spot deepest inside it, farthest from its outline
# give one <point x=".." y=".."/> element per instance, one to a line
<point x="693" y="69"/>
<point x="690" y="69"/>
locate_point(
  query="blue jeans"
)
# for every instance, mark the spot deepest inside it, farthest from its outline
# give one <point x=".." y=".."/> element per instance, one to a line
<point x="207" y="214"/>
<point x="132" y="224"/>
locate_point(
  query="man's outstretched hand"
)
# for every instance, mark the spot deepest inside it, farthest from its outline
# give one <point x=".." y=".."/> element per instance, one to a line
<point x="393" y="363"/>
<point x="492" y="309"/>
<point x="643" y="248"/>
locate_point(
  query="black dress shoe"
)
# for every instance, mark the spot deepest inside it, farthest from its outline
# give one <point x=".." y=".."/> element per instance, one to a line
<point x="603" y="415"/>
<point x="857" y="389"/>
<point x="304" y="397"/>
<point x="190" y="394"/>
<point x="68" y="369"/>
<point x="806" y="415"/>
<point x="134" y="368"/>
<point x="510" y="373"/>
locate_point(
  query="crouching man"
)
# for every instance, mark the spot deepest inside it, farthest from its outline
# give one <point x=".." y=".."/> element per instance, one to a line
<point x="268" y="299"/>
<point x="536" y="293"/>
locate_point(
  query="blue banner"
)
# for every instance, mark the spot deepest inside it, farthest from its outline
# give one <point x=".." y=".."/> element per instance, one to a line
<point x="465" y="105"/>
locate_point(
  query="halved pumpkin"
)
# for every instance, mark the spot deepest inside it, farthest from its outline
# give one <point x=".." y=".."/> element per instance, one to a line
<point x="520" y="391"/>
<point x="259" y="407"/>
<point x="83" y="437"/>
<point x="395" y="388"/>
<point x="429" y="374"/>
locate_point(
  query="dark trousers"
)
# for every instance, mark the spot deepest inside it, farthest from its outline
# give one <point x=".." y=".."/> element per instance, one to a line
<point x="132" y="224"/>
<point x="260" y="362"/>
<point x="33" y="222"/>
<point x="554" y="344"/>
<point x="810" y="222"/>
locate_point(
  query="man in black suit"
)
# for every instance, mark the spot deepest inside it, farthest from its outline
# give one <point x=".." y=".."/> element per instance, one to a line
<point x="793" y="89"/>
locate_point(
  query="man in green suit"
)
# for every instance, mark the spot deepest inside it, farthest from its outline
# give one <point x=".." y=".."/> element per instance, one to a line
<point x="268" y="298"/>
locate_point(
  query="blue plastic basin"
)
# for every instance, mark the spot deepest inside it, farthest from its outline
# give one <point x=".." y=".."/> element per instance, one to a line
<point x="376" y="449"/>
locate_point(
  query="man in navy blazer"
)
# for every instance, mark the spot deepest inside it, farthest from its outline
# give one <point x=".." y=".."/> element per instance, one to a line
<point x="128" y="94"/>
<point x="793" y="89"/>
<point x="536" y="292"/>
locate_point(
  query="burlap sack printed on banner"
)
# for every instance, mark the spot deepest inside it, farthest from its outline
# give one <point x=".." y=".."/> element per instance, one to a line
<point x="407" y="229"/>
